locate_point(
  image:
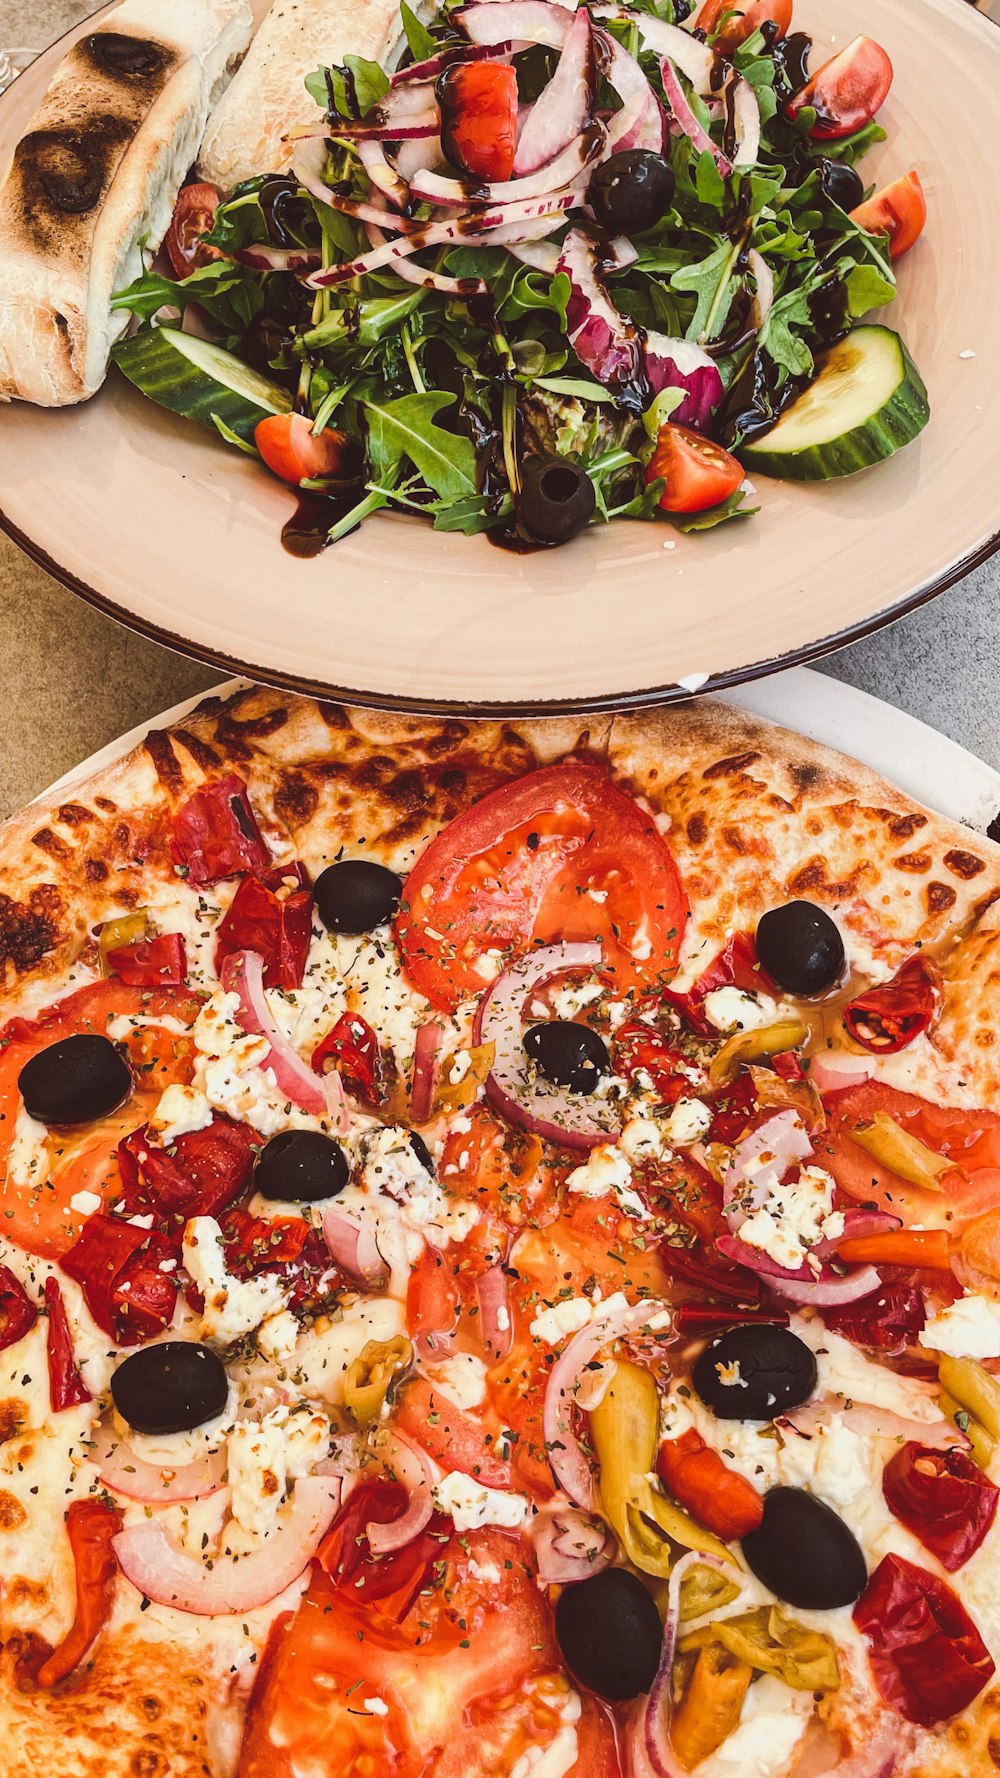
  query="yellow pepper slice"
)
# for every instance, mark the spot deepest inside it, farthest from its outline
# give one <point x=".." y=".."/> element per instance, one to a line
<point x="371" y="1375"/>
<point x="127" y="929"/>
<point x="903" y="1154"/>
<point x="755" y="1046"/>
<point x="973" y="1388"/>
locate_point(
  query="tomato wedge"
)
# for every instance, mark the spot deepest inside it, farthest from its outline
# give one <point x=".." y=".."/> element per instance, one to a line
<point x="970" y="1139"/>
<point x="847" y="91"/>
<point x="744" y="19"/>
<point x="561" y="854"/>
<point x="697" y="473"/>
<point x="899" y="210"/>
<point x="478" y="103"/>
<point x="292" y="450"/>
<point x="194" y="214"/>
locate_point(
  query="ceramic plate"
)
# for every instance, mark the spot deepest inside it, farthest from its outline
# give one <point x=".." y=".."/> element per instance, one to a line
<point x="157" y="523"/>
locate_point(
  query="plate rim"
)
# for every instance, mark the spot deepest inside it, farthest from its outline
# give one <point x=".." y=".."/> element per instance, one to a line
<point x="589" y="704"/>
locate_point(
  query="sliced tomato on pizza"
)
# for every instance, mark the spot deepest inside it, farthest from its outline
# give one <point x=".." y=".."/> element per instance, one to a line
<point x="968" y="1139"/>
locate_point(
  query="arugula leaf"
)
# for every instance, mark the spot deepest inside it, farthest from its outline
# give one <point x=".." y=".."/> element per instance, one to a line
<point x="661" y="408"/>
<point x="789" y="351"/>
<point x="232" y="437"/>
<point x="316" y="87"/>
<point x="709" y="183"/>
<point x="421" y="44"/>
<point x="406" y="427"/>
<point x="867" y="289"/>
<point x="230" y="294"/>
<point x="468" y="515"/>
<point x="712" y="282"/>
<point x="580" y="387"/>
<point x="733" y="508"/>
<point x="367" y="323"/>
<point x="370" y="82"/>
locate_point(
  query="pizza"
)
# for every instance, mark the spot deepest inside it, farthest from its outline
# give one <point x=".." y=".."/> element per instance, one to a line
<point x="499" y="1258"/>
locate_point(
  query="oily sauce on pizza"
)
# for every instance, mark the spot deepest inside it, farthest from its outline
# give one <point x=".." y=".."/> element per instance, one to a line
<point x="551" y="1346"/>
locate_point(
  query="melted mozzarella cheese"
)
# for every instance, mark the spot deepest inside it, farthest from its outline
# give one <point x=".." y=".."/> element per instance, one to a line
<point x="772" y="1722"/>
<point x="606" y="1169"/>
<point x="968" y="1328"/>
<point x="28" y="1156"/>
<point x="325" y="1352"/>
<point x="470" y="1505"/>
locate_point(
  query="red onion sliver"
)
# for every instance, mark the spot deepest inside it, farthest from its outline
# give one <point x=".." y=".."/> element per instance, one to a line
<point x="411" y="1468"/>
<point x="776" y="1145"/>
<point x="418" y="274"/>
<point x="353" y="1246"/>
<point x="564" y="105"/>
<point x="746" y="117"/>
<point x="382" y="174"/>
<point x="554" y="177"/>
<point x="566" y="1457"/>
<point x="686" y="120"/>
<point x="243" y="975"/>
<point x="658" y="1713"/>
<point x="167" y="1575"/>
<point x="262" y="258"/>
<point x="459" y="52"/>
<point x="570" y="1545"/>
<point x="626" y="76"/>
<point x="125" y="1473"/>
<point x="827" y="1293"/>
<point x="870" y="1421"/>
<point x="426" y="1052"/>
<point x="534" y="21"/>
<point x="763" y="303"/>
<point x="604" y="340"/>
<point x="496" y="1329"/>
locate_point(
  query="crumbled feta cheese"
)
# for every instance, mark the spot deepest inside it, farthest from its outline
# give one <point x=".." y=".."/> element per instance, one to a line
<point x="968" y="1328"/>
<point x="571" y="999"/>
<point x="28" y="1156"/>
<point x="791" y="1219"/>
<point x="488" y="966"/>
<point x="233" y="1307"/>
<point x="642" y="1139"/>
<point x="606" y="1169"/>
<point x="180" y="1110"/>
<point x="258" y="1476"/>
<point x="306" y="1432"/>
<point x="85" y="1203"/>
<point x="462" y="1378"/>
<point x="376" y="1706"/>
<point x="278" y="1335"/>
<point x="686" y="1122"/>
<point x="730" y="1009"/>
<point x="393" y="1166"/>
<point x="470" y="1505"/>
<point x="833" y="1461"/>
<point x="562" y="1319"/>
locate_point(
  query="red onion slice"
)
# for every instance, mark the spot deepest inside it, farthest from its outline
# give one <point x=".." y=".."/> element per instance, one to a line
<point x="746" y="118"/>
<point x="623" y="72"/>
<point x="262" y="258"/>
<point x="426" y="1053"/>
<point x="536" y="21"/>
<point x="603" y="339"/>
<point x="569" y="1464"/>
<point x="353" y="1246"/>
<point x="496" y="1328"/>
<point x="828" y="1292"/>
<point x="542" y="256"/>
<point x="418" y="274"/>
<point x="164" y="1573"/>
<point x="564" y="105"/>
<point x="409" y="129"/>
<point x="570" y="1545"/>
<point x="857" y="1223"/>
<point x="689" y="53"/>
<point x="382" y="174"/>
<point x="869" y="1421"/>
<point x="462" y="52"/>
<point x="760" y="1162"/>
<point x="882" y="1751"/>
<point x="434" y="188"/>
<point x="409" y="1466"/>
<point x="686" y="120"/>
<point x="569" y="1119"/>
<point x="680" y="364"/>
<point x="837" y="1080"/>
<point x="243" y="975"/>
<point x="125" y="1473"/>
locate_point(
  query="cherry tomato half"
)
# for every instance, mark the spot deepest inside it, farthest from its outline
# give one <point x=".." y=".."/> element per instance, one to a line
<point x="847" y="91"/>
<point x="698" y="473"/>
<point x="194" y="214"/>
<point x="478" y="103"/>
<point x="292" y="450"/>
<point x="746" y="17"/>
<point x="899" y="210"/>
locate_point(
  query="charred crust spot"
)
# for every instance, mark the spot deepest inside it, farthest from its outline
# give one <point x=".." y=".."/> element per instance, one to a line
<point x="73" y="815"/>
<point x="129" y="58"/>
<point x="13" y="1418"/>
<point x="50" y="843"/>
<point x="106" y="806"/>
<point x="335" y="716"/>
<point x="903" y="827"/>
<point x="940" y="897"/>
<point x="200" y="751"/>
<point x="734" y="840"/>
<point x="963" y="864"/>
<point x="453" y="781"/>
<point x="147" y="1763"/>
<point x="12" y="1513"/>
<point x="68" y="170"/>
<point x="151" y="1708"/>
<point x="28" y="930"/>
<point x="804" y="774"/>
<point x="295" y="800"/>
<point x="993" y="1749"/>
<point x="95" y="870"/>
<point x="913" y="861"/>
<point x="732" y="767"/>
<point x="375" y="771"/>
<point x="123" y="836"/>
<point x="166" y="765"/>
<point x="235" y="736"/>
<point x="407" y="791"/>
<point x="697" y="829"/>
<point x="451" y="736"/>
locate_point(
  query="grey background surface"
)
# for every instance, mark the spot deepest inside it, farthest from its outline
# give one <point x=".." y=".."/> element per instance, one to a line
<point x="72" y="679"/>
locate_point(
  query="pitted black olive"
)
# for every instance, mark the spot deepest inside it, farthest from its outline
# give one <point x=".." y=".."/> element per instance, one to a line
<point x="301" y="1167"/>
<point x="801" y="948"/>
<point x="171" y="1387"/>
<point x="610" y="1634"/>
<point x="572" y="1055"/>
<point x="804" y="1553"/>
<point x="75" y="1081"/>
<point x="631" y="191"/>
<point x="557" y="498"/>
<point x="841" y="184"/>
<point x="755" y="1372"/>
<point x="357" y="895"/>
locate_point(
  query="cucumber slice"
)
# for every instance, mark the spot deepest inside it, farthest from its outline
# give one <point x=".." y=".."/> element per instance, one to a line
<point x="866" y="401"/>
<point x="197" y="379"/>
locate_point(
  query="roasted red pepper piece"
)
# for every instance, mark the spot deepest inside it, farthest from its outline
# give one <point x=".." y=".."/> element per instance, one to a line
<point x="692" y="1318"/>
<point x="91" y="1525"/>
<point x="887" y="1322"/>
<point x="642" y="1048"/>
<point x="287" y="1246"/>
<point x="885" y="1019"/>
<point x="151" y="962"/>
<point x="17" y="1311"/>
<point x="352" y="1049"/>
<point x="203" y="1172"/>
<point x="478" y="103"/>
<point x="732" y="1110"/>
<point x="943" y="1498"/>
<point x="271" y="916"/>
<point x="119" y="1269"/>
<point x="718" y="1497"/>
<point x="216" y="833"/>
<point x="67" y="1388"/>
<point x="393" y="1580"/>
<point x="927" y="1657"/>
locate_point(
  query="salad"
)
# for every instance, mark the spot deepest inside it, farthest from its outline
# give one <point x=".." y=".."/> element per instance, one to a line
<point x="555" y="268"/>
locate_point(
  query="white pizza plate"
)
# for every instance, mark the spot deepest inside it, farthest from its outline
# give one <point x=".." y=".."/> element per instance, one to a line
<point x="159" y="524"/>
<point x="928" y="766"/>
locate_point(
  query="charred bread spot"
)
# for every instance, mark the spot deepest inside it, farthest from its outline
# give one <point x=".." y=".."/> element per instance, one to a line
<point x="963" y="864"/>
<point x="159" y="746"/>
<point x="106" y="806"/>
<point x="28" y="930"/>
<point x="128" y="58"/>
<point x="200" y="751"/>
<point x="902" y="827"/>
<point x="804" y="775"/>
<point x="733" y="767"/>
<point x="295" y="800"/>
<point x="940" y="897"/>
<point x="913" y="861"/>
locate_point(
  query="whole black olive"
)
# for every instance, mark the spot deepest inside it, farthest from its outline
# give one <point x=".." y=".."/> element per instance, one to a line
<point x="755" y="1372"/>
<point x="170" y="1387"/>
<point x="556" y="500"/>
<point x="301" y="1167"/>
<point x="631" y="191"/>
<point x="610" y="1634"/>
<point x="841" y="184"/>
<point x="571" y="1055"/>
<point x="75" y="1081"/>
<point x="800" y="947"/>
<point x="357" y="895"/>
<point x="805" y="1553"/>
